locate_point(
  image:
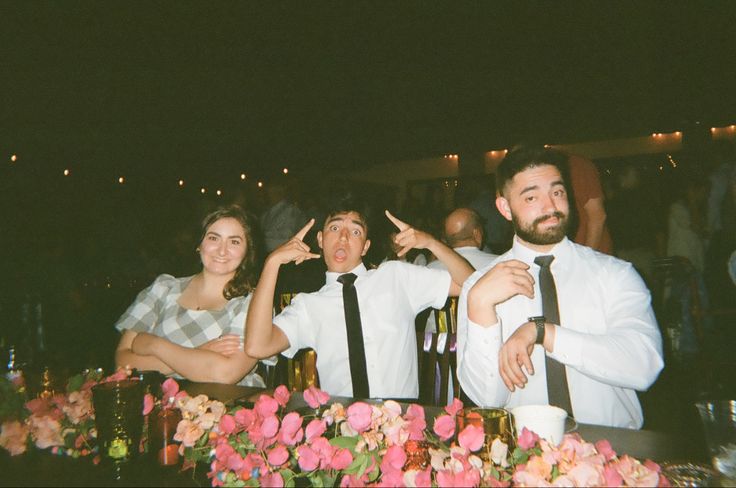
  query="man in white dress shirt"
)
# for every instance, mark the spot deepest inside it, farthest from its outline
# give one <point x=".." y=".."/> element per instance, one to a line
<point x="607" y="338"/>
<point x="389" y="298"/>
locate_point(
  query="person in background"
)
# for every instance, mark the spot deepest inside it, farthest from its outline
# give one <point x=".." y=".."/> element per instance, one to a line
<point x="464" y="234"/>
<point x="599" y="335"/>
<point x="282" y="219"/>
<point x="388" y="299"/>
<point x="585" y="185"/>
<point x="193" y="327"/>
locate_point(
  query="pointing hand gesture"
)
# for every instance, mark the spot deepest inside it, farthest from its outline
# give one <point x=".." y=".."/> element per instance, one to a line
<point x="295" y="249"/>
<point x="408" y="237"/>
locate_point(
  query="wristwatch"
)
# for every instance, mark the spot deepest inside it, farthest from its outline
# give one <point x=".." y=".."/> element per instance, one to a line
<point x="539" y="323"/>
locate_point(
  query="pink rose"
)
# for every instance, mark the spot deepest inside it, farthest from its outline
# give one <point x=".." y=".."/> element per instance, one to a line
<point x="417" y="422"/>
<point x="266" y="406"/>
<point x="227" y="424"/>
<point x="291" y="429"/>
<point x="278" y="456"/>
<point x="444" y="427"/>
<point x="308" y="459"/>
<point x="455" y="407"/>
<point x="471" y="437"/>
<point x="527" y="439"/>
<point x="272" y="480"/>
<point x="360" y="416"/>
<point x="148" y="403"/>
<point x="315" y="397"/>
<point x="13" y="437"/>
<point x="341" y="459"/>
<point x="281" y="395"/>
<point x="315" y="428"/>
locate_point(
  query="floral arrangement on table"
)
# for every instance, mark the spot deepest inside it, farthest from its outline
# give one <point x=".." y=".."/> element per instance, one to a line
<point x="368" y="444"/>
<point x="61" y="422"/>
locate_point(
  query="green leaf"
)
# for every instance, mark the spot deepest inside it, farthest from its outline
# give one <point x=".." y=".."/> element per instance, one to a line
<point x="75" y="383"/>
<point x="359" y="464"/>
<point x="519" y="456"/>
<point x="555" y="471"/>
<point x="346" y="442"/>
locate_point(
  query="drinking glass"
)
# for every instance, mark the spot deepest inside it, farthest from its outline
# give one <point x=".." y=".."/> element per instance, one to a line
<point x="719" y="423"/>
<point x="119" y="418"/>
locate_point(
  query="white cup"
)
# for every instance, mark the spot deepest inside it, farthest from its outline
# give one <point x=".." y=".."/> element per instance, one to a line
<point x="547" y="421"/>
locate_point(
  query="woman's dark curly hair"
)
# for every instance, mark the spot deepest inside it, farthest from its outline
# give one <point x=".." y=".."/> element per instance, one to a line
<point x="246" y="275"/>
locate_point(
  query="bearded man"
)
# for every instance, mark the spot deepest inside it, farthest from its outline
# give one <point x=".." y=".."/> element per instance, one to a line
<point x="551" y="321"/>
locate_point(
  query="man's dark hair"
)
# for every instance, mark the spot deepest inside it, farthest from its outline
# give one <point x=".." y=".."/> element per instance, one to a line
<point x="524" y="157"/>
<point x="346" y="202"/>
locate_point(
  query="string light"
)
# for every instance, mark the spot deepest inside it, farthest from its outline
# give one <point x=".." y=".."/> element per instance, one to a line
<point x="672" y="161"/>
<point x="13" y="158"/>
<point x="203" y="190"/>
<point x="121" y="180"/>
<point x="219" y="193"/>
<point x="242" y="176"/>
<point x="181" y="182"/>
<point x="67" y="172"/>
<point x="260" y="184"/>
<point x="286" y="171"/>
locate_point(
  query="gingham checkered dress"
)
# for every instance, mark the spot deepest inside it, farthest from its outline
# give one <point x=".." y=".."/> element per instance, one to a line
<point x="156" y="310"/>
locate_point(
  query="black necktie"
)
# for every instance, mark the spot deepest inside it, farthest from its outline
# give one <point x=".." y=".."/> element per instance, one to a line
<point x="356" y="349"/>
<point x="557" y="390"/>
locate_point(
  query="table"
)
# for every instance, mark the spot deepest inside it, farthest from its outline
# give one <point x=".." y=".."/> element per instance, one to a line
<point x="39" y="468"/>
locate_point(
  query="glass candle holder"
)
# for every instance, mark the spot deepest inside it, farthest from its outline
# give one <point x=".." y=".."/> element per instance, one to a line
<point x="495" y="422"/>
<point x="118" y="418"/>
<point x="162" y="429"/>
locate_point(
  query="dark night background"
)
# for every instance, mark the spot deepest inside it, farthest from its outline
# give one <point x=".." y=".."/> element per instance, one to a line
<point x="205" y="91"/>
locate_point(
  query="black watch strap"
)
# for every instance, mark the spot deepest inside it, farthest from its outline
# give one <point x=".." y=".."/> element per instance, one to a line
<point x="539" y="323"/>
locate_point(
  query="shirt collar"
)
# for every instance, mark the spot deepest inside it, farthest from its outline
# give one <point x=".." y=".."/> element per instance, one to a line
<point x="561" y="250"/>
<point x="331" y="276"/>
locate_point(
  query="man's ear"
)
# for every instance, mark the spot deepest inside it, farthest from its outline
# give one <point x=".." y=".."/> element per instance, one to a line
<point x="478" y="236"/>
<point x="319" y="239"/>
<point x="366" y="246"/>
<point x="503" y="206"/>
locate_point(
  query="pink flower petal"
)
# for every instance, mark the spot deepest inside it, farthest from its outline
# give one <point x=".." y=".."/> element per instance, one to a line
<point x="604" y="448"/>
<point x="281" y="395"/>
<point x="471" y="438"/>
<point x="308" y="459"/>
<point x="527" y="439"/>
<point x="169" y="388"/>
<point x="278" y="456"/>
<point x="360" y="416"/>
<point x="227" y="424"/>
<point x="147" y="403"/>
<point x="455" y="407"/>
<point x="274" y="480"/>
<point x="341" y="459"/>
<point x="315" y="428"/>
<point x="444" y="427"/>
<point x="315" y="397"/>
<point x="265" y="406"/>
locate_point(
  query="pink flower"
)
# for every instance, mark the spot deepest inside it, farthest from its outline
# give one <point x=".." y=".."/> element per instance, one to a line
<point x="46" y="431"/>
<point x="499" y="452"/>
<point x="235" y="462"/>
<point x="447" y="478"/>
<point x="471" y="437"/>
<point x="281" y="395"/>
<point x="147" y="403"/>
<point x="169" y="388"/>
<point x="611" y="476"/>
<point x="444" y="427"/>
<point x="77" y="406"/>
<point x="308" y="458"/>
<point x="278" y="456"/>
<point x="391" y="409"/>
<point x="266" y="406"/>
<point x="359" y="416"/>
<point x="272" y="480"/>
<point x="634" y="473"/>
<point x="315" y="397"/>
<point x="13" y="437"/>
<point x="353" y="481"/>
<point x="119" y="375"/>
<point x="395" y="431"/>
<point x="245" y="417"/>
<point x="649" y="464"/>
<point x="525" y="478"/>
<point x="420" y="479"/>
<point x="527" y="439"/>
<point x="455" y="407"/>
<point x="341" y="459"/>
<point x="227" y="424"/>
<point x="604" y="447"/>
<point x="417" y="422"/>
<point x="291" y="429"/>
<point x="315" y="428"/>
<point x="586" y="474"/>
<point x="270" y="426"/>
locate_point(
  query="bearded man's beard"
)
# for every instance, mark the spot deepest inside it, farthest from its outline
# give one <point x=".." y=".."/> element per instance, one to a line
<point x="533" y="235"/>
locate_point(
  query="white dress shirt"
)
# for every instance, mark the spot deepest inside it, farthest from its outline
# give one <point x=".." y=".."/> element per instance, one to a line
<point x="608" y="337"/>
<point x="389" y="298"/>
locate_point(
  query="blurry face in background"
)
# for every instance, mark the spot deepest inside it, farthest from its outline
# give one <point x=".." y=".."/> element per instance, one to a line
<point x="343" y="241"/>
<point x="223" y="247"/>
<point x="536" y="203"/>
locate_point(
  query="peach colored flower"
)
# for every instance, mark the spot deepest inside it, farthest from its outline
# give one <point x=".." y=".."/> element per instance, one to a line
<point x="13" y="437"/>
<point x="525" y="478"/>
<point x="499" y="452"/>
<point x="188" y="432"/>
<point x="369" y="440"/>
<point x="391" y="409"/>
<point x="587" y="474"/>
<point x="336" y="413"/>
<point x="78" y="406"/>
<point x="395" y="431"/>
<point x="634" y="473"/>
<point x="46" y="431"/>
<point x="538" y="467"/>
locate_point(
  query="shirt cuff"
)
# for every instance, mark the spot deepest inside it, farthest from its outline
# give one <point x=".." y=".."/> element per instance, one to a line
<point x="568" y="347"/>
<point x="484" y="338"/>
